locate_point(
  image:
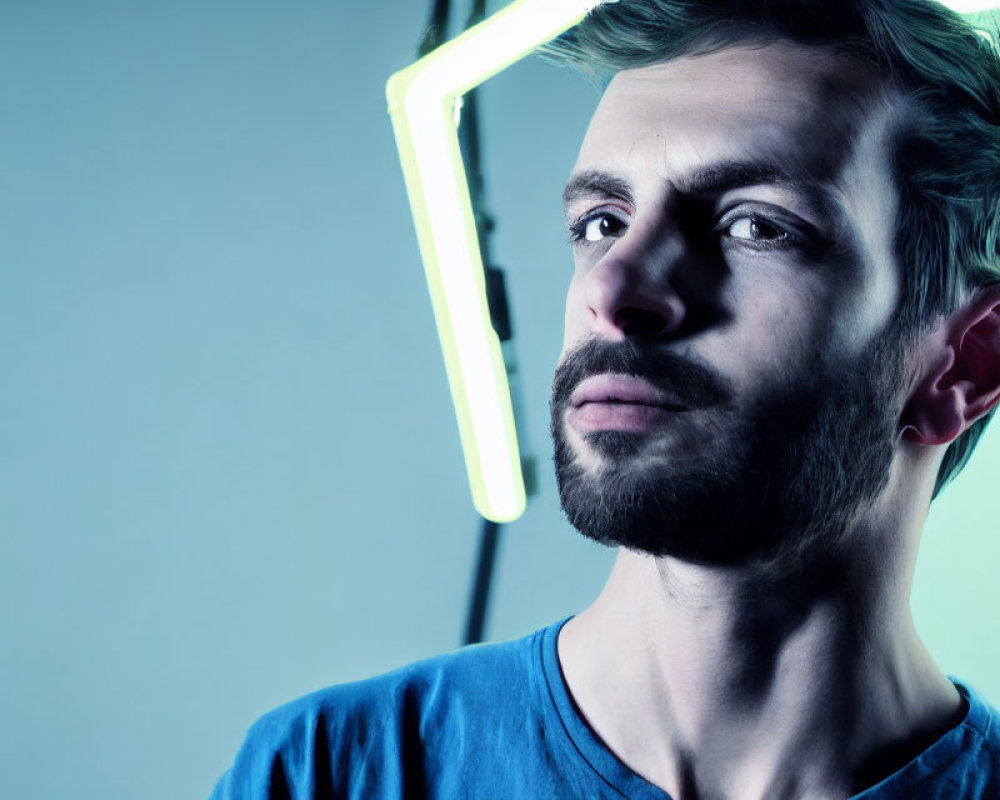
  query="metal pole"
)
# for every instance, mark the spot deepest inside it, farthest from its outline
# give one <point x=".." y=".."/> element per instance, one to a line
<point x="476" y="622"/>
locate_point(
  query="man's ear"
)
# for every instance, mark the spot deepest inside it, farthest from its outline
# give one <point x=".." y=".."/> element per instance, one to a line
<point x="962" y="380"/>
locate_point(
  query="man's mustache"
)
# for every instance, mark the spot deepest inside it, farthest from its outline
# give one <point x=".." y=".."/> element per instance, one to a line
<point x="692" y="384"/>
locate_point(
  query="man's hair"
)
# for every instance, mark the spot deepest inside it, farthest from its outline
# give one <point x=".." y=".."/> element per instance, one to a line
<point x="946" y="155"/>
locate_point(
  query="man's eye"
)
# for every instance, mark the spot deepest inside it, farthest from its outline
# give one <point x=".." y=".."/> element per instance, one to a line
<point x="755" y="229"/>
<point x="596" y="228"/>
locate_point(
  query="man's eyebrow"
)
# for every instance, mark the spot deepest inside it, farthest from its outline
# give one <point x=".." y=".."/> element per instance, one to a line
<point x="728" y="176"/>
<point x="708" y="180"/>
<point x="718" y="178"/>
<point x="595" y="182"/>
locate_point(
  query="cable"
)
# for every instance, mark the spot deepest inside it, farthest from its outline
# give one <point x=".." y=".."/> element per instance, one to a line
<point x="488" y="542"/>
<point x="437" y="28"/>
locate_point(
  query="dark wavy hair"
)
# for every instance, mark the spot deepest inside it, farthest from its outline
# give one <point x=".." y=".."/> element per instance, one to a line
<point x="947" y="155"/>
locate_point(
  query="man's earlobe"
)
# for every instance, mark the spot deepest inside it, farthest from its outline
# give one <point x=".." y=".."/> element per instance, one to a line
<point x="964" y="382"/>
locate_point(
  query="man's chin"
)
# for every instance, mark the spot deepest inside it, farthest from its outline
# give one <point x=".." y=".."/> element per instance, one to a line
<point x="621" y="499"/>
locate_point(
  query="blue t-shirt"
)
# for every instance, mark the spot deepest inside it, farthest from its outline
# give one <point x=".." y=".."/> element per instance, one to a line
<point x="496" y="722"/>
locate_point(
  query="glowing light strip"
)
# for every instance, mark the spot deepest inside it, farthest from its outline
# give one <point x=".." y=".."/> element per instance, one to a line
<point x="423" y="102"/>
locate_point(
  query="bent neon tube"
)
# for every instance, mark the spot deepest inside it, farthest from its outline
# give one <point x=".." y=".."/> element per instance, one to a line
<point x="424" y="102"/>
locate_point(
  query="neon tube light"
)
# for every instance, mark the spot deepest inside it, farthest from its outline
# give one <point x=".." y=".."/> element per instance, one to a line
<point x="424" y="101"/>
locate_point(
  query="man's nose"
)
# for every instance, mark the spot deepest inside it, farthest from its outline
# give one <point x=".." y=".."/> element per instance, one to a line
<point x="631" y="291"/>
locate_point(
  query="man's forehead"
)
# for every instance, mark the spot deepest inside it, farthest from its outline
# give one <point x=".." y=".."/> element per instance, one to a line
<point x="793" y="108"/>
<point x="818" y="74"/>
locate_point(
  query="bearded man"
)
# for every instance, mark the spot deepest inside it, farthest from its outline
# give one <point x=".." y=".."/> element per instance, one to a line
<point x="782" y="340"/>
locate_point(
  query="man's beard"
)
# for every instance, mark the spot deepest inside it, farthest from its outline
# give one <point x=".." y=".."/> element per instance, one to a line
<point x="786" y="477"/>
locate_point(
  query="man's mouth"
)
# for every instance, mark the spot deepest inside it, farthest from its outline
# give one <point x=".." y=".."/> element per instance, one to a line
<point x="616" y="402"/>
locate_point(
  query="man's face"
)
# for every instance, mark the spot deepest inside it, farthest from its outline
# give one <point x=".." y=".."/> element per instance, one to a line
<point x="726" y="392"/>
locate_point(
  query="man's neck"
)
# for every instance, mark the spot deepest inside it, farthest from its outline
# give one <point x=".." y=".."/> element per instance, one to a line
<point x="712" y="685"/>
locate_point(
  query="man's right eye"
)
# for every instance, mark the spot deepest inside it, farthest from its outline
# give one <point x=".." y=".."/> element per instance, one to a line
<point x="596" y="227"/>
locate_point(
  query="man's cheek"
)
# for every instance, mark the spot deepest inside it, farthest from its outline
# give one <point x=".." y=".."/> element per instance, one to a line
<point x="785" y="328"/>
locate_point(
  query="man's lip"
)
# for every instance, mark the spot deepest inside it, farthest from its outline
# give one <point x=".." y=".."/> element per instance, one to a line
<point x="624" y="389"/>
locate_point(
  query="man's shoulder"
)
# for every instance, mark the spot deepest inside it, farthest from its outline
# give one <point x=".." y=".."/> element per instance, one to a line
<point x="981" y="732"/>
<point x="473" y="674"/>
<point x="368" y="730"/>
<point x="963" y="763"/>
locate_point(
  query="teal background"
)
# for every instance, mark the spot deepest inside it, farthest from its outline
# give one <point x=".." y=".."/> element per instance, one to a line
<point x="229" y="468"/>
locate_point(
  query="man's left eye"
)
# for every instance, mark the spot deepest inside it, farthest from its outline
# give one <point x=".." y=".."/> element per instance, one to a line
<point x="755" y="229"/>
